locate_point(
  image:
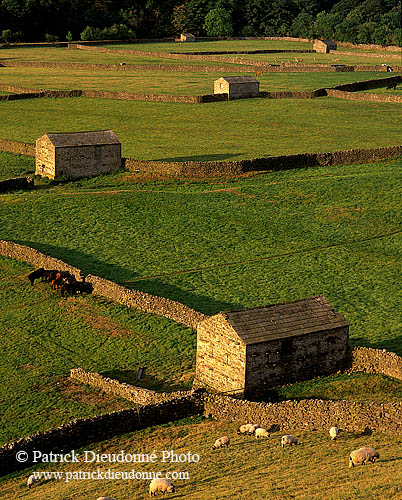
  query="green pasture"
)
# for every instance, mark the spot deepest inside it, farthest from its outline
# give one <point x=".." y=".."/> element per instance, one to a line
<point x="218" y="131"/>
<point x="163" y="82"/>
<point x="45" y="335"/>
<point x="64" y="55"/>
<point x="212" y="45"/>
<point x="358" y="58"/>
<point x="350" y="386"/>
<point x="12" y="165"/>
<point x="248" y="469"/>
<point x="227" y="244"/>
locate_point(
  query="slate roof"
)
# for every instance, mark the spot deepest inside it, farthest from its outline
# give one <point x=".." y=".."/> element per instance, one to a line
<point x="239" y="79"/>
<point x="261" y="324"/>
<point x="94" y="138"/>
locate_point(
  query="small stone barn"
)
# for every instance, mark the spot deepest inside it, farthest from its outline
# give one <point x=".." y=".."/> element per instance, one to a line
<point x="248" y="351"/>
<point x="77" y="154"/>
<point x="324" y="46"/>
<point x="187" y="37"/>
<point x="237" y="87"/>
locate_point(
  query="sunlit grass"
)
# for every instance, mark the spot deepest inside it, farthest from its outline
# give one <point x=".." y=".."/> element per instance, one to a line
<point x="248" y="469"/>
<point x="245" y="128"/>
<point x="45" y="335"/>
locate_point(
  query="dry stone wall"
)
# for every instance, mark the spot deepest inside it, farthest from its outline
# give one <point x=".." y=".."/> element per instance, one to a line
<point x="369" y="84"/>
<point x="272" y="163"/>
<point x="357" y="96"/>
<point x="307" y="415"/>
<point x="84" y="431"/>
<point x="131" y="298"/>
<point x="126" y="391"/>
<point x="380" y="361"/>
<point x="19" y="148"/>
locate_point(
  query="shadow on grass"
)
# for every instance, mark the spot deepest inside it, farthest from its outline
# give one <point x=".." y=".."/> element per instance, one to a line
<point x="393" y="345"/>
<point x="121" y="275"/>
<point x="211" y="157"/>
<point x="147" y="381"/>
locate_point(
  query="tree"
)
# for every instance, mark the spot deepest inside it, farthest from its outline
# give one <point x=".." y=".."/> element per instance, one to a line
<point x="179" y="20"/>
<point x="91" y="33"/>
<point x="302" y="26"/>
<point x="325" y="24"/>
<point x="218" y="22"/>
<point x="346" y="31"/>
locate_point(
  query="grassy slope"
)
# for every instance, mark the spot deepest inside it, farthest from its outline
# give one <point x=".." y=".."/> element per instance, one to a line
<point x="163" y="131"/>
<point x="249" y="469"/>
<point x="12" y="165"/>
<point x="227" y="244"/>
<point x="44" y="336"/>
<point x="162" y="82"/>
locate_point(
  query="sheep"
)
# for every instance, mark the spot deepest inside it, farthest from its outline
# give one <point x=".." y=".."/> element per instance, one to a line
<point x="105" y="498"/>
<point x="243" y="429"/>
<point x="32" y="480"/>
<point x="371" y="452"/>
<point x="363" y="455"/>
<point x="261" y="433"/>
<point x="223" y="441"/>
<point x="160" y="484"/>
<point x="333" y="432"/>
<point x="288" y="439"/>
<point x="253" y="428"/>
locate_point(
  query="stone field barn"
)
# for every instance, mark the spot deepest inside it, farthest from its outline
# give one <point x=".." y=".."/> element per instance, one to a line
<point x="237" y="87"/>
<point x="77" y="154"/>
<point x="324" y="46"/>
<point x="247" y="351"/>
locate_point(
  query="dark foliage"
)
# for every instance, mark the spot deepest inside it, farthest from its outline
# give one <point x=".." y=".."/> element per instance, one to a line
<point x="367" y="21"/>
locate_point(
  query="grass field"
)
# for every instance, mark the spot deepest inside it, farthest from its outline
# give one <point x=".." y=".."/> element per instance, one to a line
<point x="160" y="82"/>
<point x="180" y="132"/>
<point x="216" y="244"/>
<point x="12" y="165"/>
<point x="249" y="469"/>
<point x="44" y="336"/>
<point x="219" y="244"/>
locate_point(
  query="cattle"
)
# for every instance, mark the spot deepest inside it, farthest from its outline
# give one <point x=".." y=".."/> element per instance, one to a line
<point x="35" y="275"/>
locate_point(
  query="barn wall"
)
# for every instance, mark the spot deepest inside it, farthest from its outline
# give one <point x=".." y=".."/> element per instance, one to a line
<point x="242" y="90"/>
<point x="220" y="364"/>
<point x="83" y="161"/>
<point x="302" y="357"/>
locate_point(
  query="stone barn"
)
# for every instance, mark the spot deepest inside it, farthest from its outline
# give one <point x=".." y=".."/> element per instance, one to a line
<point x="237" y="87"/>
<point x="324" y="46"/>
<point x="245" y="352"/>
<point x="77" y="154"/>
<point x="187" y="37"/>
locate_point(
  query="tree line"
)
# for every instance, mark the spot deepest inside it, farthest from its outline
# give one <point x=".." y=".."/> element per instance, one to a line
<point x="368" y="21"/>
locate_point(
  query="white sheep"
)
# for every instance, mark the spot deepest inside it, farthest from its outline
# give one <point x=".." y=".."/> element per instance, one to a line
<point x="105" y="498"/>
<point x="261" y="433"/>
<point x="243" y="429"/>
<point x="160" y="484"/>
<point x="363" y="455"/>
<point x="223" y="441"/>
<point x="288" y="439"/>
<point x="32" y="480"/>
<point x="333" y="432"/>
<point x="253" y="428"/>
